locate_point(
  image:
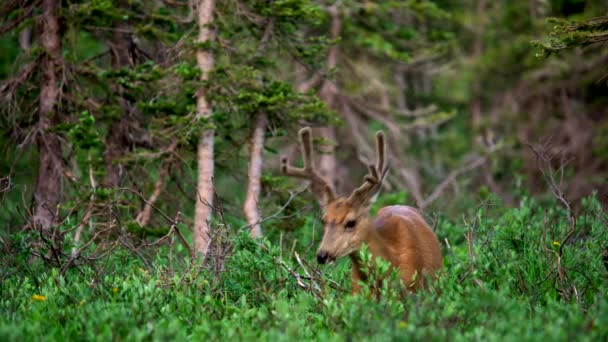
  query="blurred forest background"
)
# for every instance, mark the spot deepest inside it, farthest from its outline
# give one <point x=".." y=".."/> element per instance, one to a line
<point x="143" y="134"/>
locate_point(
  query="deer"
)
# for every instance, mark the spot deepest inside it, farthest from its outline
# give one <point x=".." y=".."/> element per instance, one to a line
<point x="398" y="234"/>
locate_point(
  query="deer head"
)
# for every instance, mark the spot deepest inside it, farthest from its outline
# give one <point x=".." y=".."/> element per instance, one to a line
<point x="346" y="219"/>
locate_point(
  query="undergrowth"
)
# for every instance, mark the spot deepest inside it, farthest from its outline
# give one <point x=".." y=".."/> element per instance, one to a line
<point x="506" y="277"/>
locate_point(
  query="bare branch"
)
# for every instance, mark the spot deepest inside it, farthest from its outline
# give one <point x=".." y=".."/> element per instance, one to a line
<point x="26" y="13"/>
<point x="451" y="178"/>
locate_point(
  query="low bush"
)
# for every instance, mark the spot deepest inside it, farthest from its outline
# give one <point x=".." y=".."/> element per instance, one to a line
<point x="510" y="274"/>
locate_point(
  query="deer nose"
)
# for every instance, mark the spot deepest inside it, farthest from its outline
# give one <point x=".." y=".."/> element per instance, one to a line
<point x="322" y="257"/>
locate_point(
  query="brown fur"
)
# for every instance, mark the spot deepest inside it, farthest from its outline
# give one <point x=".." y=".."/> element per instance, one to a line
<point x="398" y="234"/>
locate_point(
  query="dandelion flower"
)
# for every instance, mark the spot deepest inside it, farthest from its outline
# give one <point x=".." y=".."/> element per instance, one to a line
<point x="38" y="298"/>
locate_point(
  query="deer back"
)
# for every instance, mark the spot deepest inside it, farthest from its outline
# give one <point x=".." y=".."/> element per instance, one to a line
<point x="401" y="236"/>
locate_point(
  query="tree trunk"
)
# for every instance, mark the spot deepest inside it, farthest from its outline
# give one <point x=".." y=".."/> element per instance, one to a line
<point x="475" y="107"/>
<point x="204" y="202"/>
<point x="25" y="38"/>
<point x="49" y="185"/>
<point x="254" y="175"/>
<point x="327" y="159"/>
<point x="117" y="141"/>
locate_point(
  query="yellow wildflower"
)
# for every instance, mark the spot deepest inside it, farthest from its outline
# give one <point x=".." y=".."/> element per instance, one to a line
<point x="38" y="298"/>
<point x="556" y="243"/>
<point x="115" y="290"/>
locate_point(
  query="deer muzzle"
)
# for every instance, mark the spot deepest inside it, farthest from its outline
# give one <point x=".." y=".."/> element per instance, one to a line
<point x="322" y="257"/>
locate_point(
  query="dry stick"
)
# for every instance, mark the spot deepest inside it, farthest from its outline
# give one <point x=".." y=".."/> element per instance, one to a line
<point x="77" y="253"/>
<point x="166" y="217"/>
<point x="548" y="173"/>
<point x="144" y="216"/>
<point x="254" y="175"/>
<point x="25" y="14"/>
<point x="89" y="212"/>
<point x="5" y="191"/>
<point x="276" y="214"/>
<point x="9" y="86"/>
<point x="312" y="282"/>
<point x="451" y="178"/>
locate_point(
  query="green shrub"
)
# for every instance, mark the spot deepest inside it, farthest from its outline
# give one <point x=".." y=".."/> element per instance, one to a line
<point x="501" y="281"/>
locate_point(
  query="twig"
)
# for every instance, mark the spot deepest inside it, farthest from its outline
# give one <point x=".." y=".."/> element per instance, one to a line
<point x="276" y="214"/>
<point x="451" y="178"/>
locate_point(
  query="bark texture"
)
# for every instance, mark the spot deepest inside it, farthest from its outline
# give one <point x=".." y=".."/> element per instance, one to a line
<point x="49" y="185"/>
<point x="475" y="106"/>
<point x="204" y="203"/>
<point x="327" y="161"/>
<point x="117" y="140"/>
<point x="254" y="176"/>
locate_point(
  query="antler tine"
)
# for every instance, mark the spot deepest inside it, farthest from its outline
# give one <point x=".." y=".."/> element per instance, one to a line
<point x="380" y="152"/>
<point x="376" y="173"/>
<point x="319" y="186"/>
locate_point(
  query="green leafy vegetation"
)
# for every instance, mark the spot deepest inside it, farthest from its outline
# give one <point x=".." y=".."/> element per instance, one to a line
<point x="508" y="282"/>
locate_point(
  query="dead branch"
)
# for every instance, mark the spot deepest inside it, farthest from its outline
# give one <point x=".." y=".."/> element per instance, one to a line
<point x="144" y="215"/>
<point x="477" y="162"/>
<point x="554" y="179"/>
<point x="26" y="13"/>
<point x="278" y="212"/>
<point x="4" y="189"/>
<point x="89" y="212"/>
<point x="9" y="86"/>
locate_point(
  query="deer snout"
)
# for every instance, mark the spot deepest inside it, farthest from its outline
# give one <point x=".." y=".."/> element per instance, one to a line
<point x="322" y="257"/>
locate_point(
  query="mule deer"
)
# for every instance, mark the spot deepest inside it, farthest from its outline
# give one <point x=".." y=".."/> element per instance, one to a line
<point x="397" y="234"/>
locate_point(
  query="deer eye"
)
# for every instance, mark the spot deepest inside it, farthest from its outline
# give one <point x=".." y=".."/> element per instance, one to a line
<point x="350" y="224"/>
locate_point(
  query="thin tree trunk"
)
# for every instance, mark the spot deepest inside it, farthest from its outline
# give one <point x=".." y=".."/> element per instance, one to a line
<point x="204" y="202"/>
<point x="146" y="213"/>
<point x="49" y="185"/>
<point x="25" y="38"/>
<point x="117" y="141"/>
<point x="475" y="107"/>
<point x="327" y="160"/>
<point x="254" y="186"/>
